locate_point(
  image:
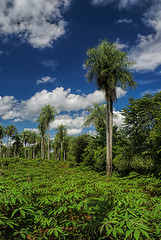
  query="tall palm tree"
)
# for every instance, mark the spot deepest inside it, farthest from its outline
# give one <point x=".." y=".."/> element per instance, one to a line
<point x="60" y="140"/>
<point x="41" y="128"/>
<point x="32" y="140"/>
<point x="47" y="115"/>
<point x="11" y="130"/>
<point x="110" y="68"/>
<point x="25" y="137"/>
<point x="17" y="144"/>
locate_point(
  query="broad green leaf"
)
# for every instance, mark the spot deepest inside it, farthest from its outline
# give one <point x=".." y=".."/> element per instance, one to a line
<point x="22" y="212"/>
<point x="137" y="234"/>
<point x="128" y="233"/>
<point x="144" y="233"/>
<point x="14" y="212"/>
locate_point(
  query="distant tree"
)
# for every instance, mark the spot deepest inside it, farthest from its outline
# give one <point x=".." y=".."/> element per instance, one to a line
<point x="25" y="137"/>
<point x="11" y="131"/>
<point x="97" y="116"/>
<point x="46" y="116"/>
<point x="32" y="141"/>
<point x="42" y="129"/>
<point x="77" y="148"/>
<point x="17" y="145"/>
<point x="143" y="125"/>
<point x="61" y="141"/>
<point x="139" y="121"/>
<point x="110" y="68"/>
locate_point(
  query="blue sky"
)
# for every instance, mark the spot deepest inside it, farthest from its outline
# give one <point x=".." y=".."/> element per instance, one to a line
<point x="43" y="45"/>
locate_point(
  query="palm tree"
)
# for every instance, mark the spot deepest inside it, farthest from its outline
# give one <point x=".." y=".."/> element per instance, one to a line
<point x="17" y="144"/>
<point x="110" y="68"/>
<point x="25" y="137"/>
<point x="46" y="116"/>
<point x="11" y="130"/>
<point x="32" y="140"/>
<point x="2" y="134"/>
<point x="41" y="128"/>
<point x="60" y="141"/>
<point x="97" y="117"/>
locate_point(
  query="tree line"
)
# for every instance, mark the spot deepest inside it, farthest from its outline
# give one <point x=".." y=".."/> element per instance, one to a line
<point x="136" y="144"/>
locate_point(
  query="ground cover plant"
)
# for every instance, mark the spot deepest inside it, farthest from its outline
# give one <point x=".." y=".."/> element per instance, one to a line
<point x="45" y="199"/>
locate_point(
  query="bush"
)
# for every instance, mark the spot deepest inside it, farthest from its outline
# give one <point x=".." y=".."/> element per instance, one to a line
<point x="142" y="164"/>
<point x="121" y="163"/>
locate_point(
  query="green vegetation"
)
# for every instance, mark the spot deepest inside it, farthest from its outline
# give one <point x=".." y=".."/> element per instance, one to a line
<point x="44" y="199"/>
<point x="69" y="196"/>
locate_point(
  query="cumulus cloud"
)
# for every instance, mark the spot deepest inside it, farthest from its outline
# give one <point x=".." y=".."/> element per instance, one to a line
<point x="7" y="107"/>
<point x="120" y="92"/>
<point x="147" y="52"/>
<point x="38" y="22"/>
<point x="118" y="118"/>
<point x="46" y="79"/>
<point x="61" y="99"/>
<point x="72" y="124"/>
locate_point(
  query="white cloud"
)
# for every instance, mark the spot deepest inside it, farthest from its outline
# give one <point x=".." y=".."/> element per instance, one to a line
<point x="128" y="3"/>
<point x="74" y="131"/>
<point x="92" y="132"/>
<point x="124" y="20"/>
<point x="147" y="52"/>
<point x="120" y="45"/>
<point x="38" y="22"/>
<point x="121" y="3"/>
<point x="150" y="92"/>
<point x="36" y="130"/>
<point x="120" y="92"/>
<point x="102" y="2"/>
<point x="7" y="105"/>
<point x="45" y="80"/>
<point x="118" y="118"/>
<point x="72" y="124"/>
<point x="61" y="99"/>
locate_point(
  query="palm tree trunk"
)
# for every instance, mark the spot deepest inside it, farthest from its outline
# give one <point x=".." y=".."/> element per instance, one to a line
<point x="42" y="147"/>
<point x="25" y="151"/>
<point x="108" y="170"/>
<point x="8" y="146"/>
<point x="111" y="132"/>
<point x="48" y="145"/>
<point x="34" y="151"/>
<point x="61" y="149"/>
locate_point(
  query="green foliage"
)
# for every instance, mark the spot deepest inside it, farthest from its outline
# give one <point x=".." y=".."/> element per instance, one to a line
<point x="77" y="148"/>
<point x="48" y="200"/>
<point x="97" y="116"/>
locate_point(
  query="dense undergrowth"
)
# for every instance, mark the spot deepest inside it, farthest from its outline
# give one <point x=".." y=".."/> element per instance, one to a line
<point x="50" y="200"/>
